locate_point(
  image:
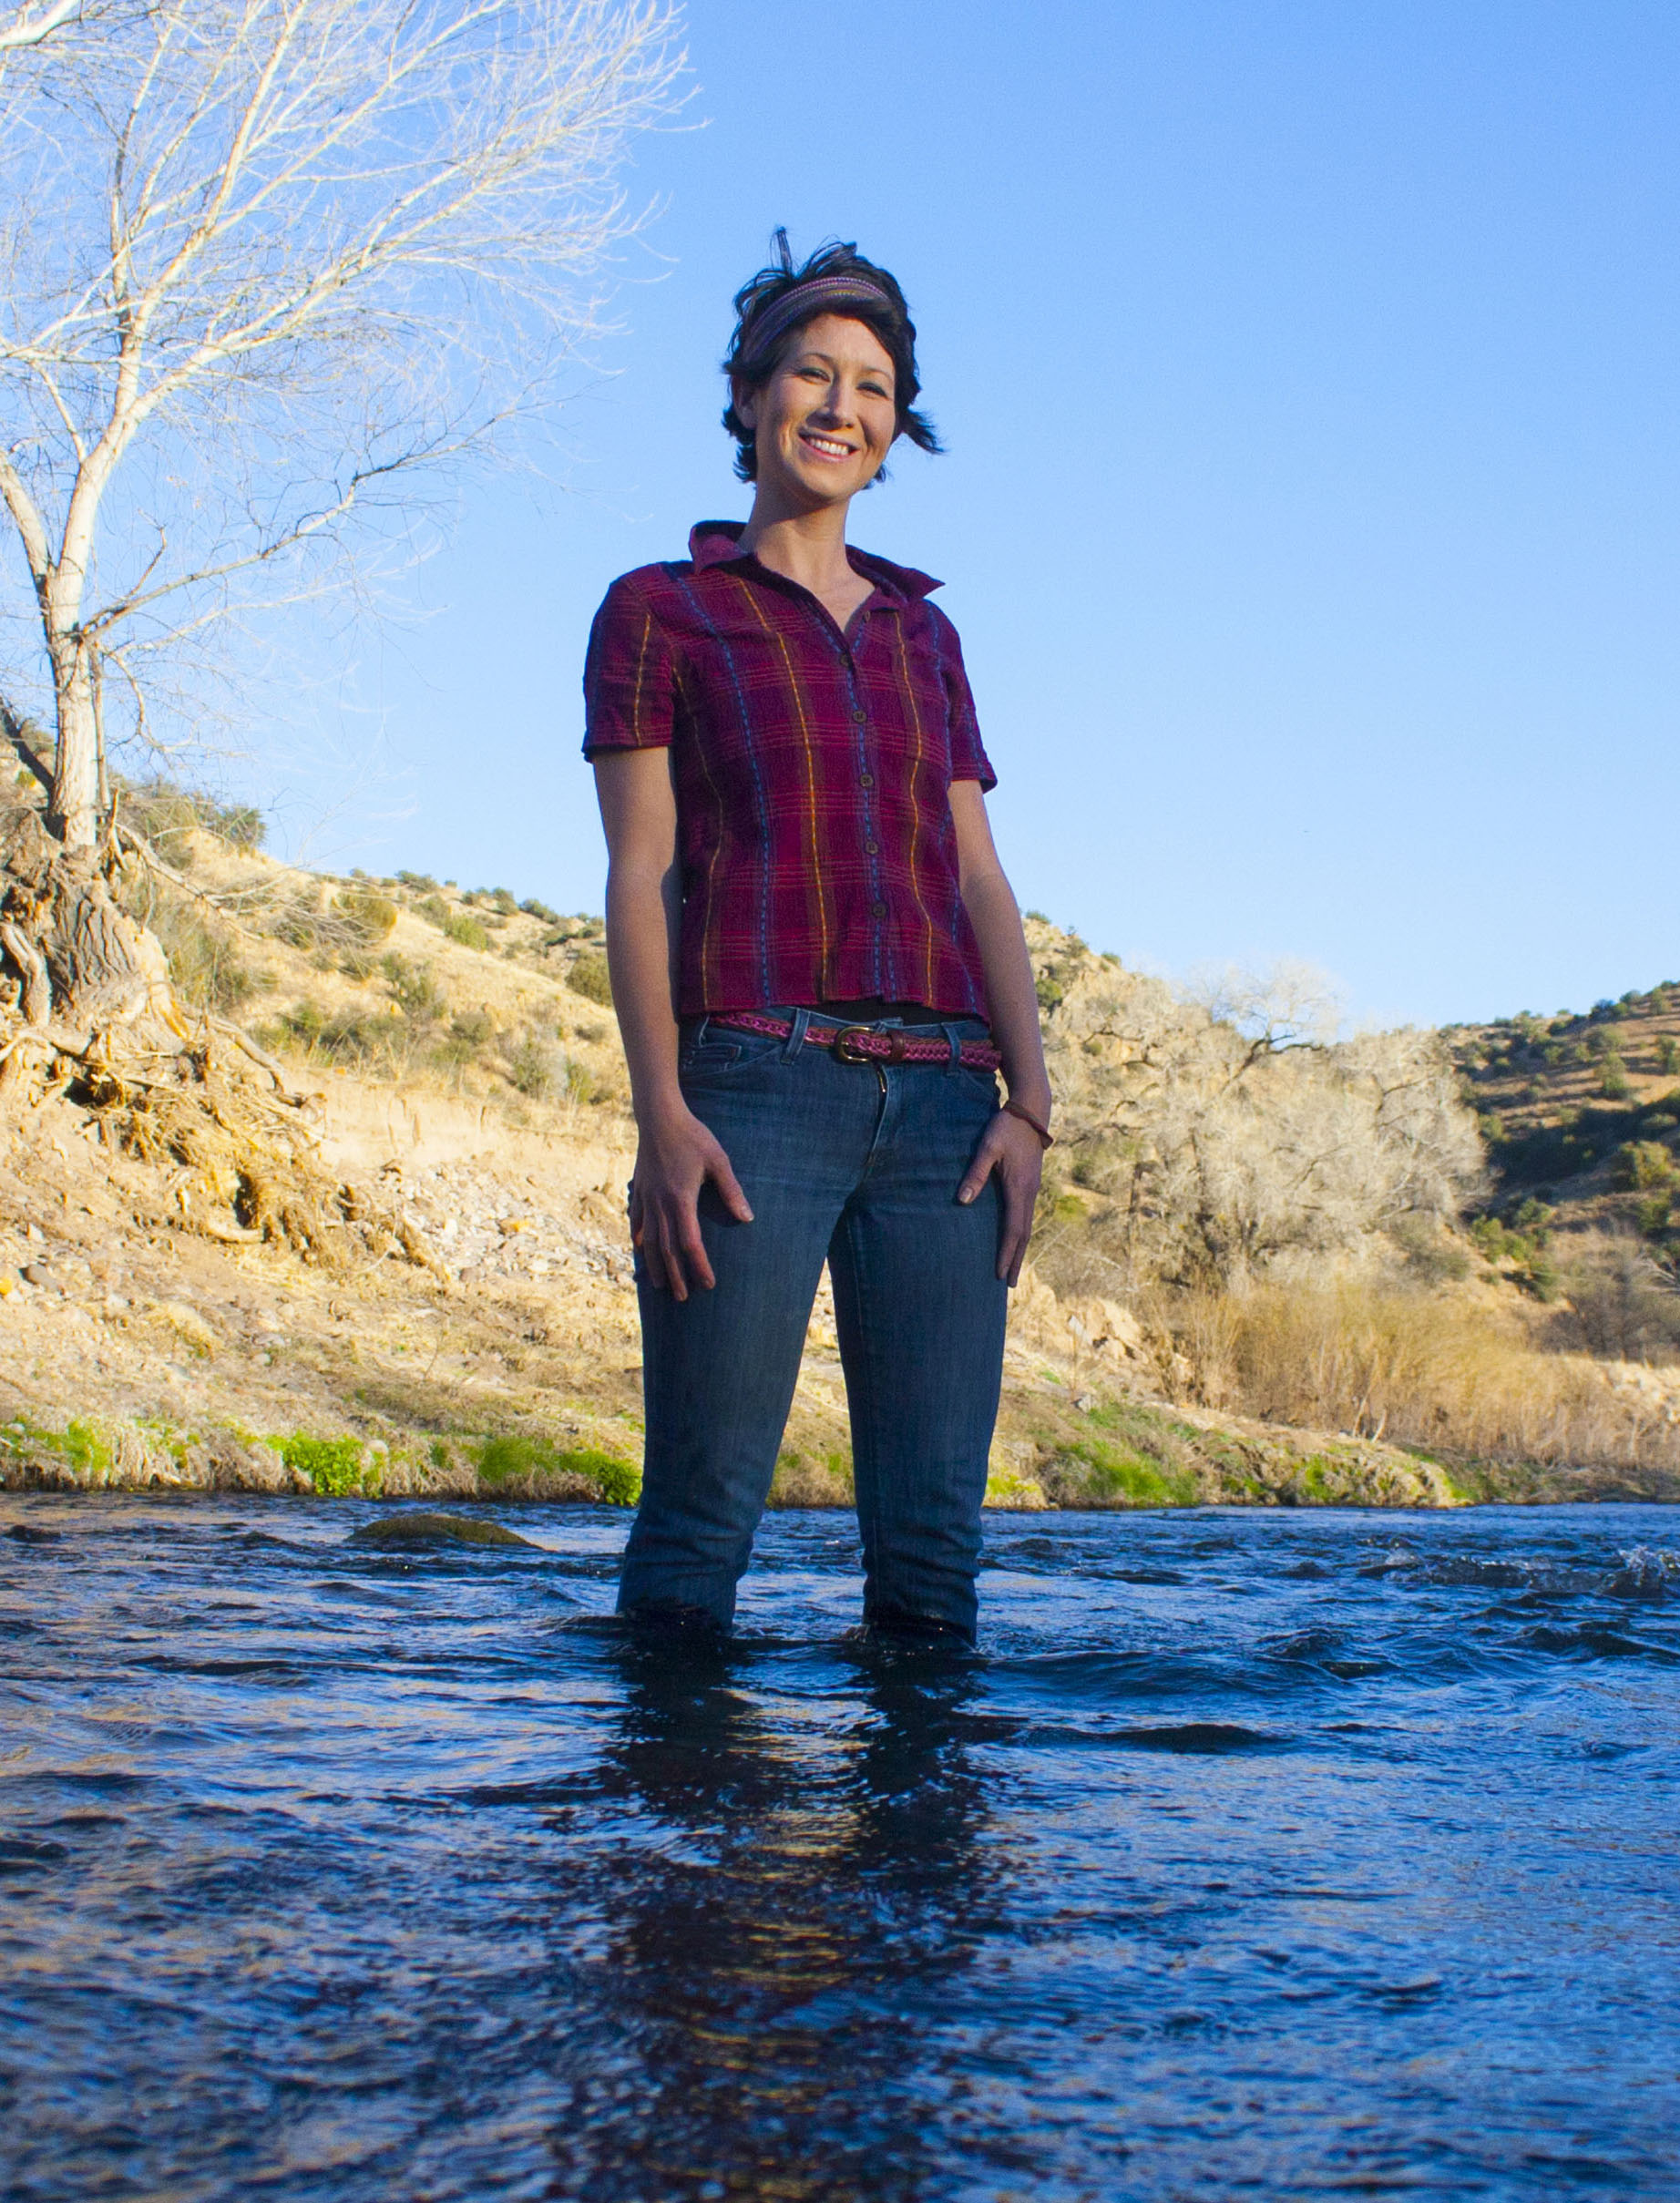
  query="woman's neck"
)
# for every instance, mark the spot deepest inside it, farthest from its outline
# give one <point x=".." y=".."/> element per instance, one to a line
<point x="806" y="547"/>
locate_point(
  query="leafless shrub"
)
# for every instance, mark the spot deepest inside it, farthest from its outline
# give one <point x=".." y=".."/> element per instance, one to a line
<point x="1416" y="1367"/>
<point x="1232" y="1136"/>
<point x="1622" y="1305"/>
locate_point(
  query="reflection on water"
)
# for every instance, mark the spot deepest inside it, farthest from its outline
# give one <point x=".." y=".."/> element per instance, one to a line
<point x="774" y="1941"/>
<point x="1257" y="1856"/>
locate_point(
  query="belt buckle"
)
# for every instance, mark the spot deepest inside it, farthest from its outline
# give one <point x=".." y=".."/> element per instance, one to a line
<point x="848" y="1050"/>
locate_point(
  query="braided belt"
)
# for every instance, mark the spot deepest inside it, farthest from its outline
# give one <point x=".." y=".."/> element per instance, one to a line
<point x="864" y="1043"/>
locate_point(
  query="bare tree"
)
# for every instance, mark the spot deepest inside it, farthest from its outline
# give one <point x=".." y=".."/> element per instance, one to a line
<point x="1233" y="1133"/>
<point x="267" y="264"/>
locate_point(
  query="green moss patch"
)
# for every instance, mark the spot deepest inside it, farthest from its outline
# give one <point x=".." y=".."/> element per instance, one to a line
<point x="81" y="1447"/>
<point x="1098" y="1473"/>
<point x="337" y="1467"/>
<point x="530" y="1468"/>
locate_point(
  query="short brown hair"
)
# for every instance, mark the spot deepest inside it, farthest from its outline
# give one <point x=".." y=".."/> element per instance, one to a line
<point x="843" y="283"/>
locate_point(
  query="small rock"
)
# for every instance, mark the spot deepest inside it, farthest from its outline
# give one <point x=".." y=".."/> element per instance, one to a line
<point x="26" y="1534"/>
<point x="416" y="1528"/>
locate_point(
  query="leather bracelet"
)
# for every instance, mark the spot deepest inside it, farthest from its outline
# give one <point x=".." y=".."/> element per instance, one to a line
<point x="1018" y="1109"/>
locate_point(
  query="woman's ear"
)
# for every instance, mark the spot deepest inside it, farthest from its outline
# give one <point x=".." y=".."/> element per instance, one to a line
<point x="746" y="404"/>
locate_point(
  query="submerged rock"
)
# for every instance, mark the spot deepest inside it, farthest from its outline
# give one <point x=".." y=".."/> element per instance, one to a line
<point x="416" y="1528"/>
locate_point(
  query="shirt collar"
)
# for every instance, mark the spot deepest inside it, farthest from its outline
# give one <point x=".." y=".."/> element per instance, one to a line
<point x="717" y="543"/>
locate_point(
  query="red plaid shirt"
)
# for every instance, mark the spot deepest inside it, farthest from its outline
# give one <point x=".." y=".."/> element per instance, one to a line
<point x="813" y="773"/>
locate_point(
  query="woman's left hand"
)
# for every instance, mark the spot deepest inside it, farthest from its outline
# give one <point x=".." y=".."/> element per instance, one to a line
<point x="1013" y="1150"/>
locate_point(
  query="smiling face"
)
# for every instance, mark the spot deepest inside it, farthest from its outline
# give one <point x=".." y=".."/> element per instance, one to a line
<point x="825" y="422"/>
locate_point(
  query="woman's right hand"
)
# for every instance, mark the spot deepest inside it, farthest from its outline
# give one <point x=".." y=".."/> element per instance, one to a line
<point x="674" y="1157"/>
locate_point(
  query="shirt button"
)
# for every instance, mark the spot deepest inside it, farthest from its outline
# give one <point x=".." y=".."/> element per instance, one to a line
<point x="880" y="910"/>
<point x="865" y="780"/>
<point x="872" y="848"/>
<point x="859" y="713"/>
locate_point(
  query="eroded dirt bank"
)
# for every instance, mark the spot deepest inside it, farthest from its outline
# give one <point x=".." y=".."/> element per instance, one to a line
<point x="143" y="1347"/>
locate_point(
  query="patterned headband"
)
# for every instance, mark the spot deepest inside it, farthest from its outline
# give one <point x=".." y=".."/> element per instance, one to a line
<point x="767" y="328"/>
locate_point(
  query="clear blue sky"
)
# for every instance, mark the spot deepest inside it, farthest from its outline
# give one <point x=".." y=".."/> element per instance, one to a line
<point x="1311" y="508"/>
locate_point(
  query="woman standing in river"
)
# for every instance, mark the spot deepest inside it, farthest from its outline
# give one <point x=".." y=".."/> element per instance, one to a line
<point x="818" y="970"/>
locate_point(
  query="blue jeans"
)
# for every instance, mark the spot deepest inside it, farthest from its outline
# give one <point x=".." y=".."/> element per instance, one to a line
<point x="858" y="1163"/>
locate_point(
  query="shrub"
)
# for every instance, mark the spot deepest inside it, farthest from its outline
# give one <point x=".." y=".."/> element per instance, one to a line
<point x="470" y="1033"/>
<point x="1625" y="1306"/>
<point x="1668" y="1054"/>
<point x="590" y="977"/>
<point x="1641" y="1164"/>
<point x="414" y="990"/>
<point x="349" y="1036"/>
<point x="303" y="1022"/>
<point x="1524" y="1250"/>
<point x="354" y="1037"/>
<point x="332" y="1465"/>
<point x="417" y="882"/>
<point x="1428" y="1371"/>
<point x="169" y="814"/>
<point x="204" y="964"/>
<point x="469" y="932"/>
<point x="532" y="1068"/>
<point x="533" y="908"/>
<point x="370" y="916"/>
<point x="242" y="824"/>
<point x="1614" y="1083"/>
<point x="1430" y="1255"/>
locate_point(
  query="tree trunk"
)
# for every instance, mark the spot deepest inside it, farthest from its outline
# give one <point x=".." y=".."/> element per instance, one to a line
<point x="82" y="965"/>
<point x="73" y="807"/>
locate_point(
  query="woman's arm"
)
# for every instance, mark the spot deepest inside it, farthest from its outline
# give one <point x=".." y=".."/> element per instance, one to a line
<point x="1009" y="1146"/>
<point x="675" y="1155"/>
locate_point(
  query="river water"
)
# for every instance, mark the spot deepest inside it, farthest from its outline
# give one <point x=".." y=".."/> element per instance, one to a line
<point x="1256" y="1855"/>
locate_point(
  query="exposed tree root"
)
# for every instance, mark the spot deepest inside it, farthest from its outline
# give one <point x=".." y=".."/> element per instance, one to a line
<point x="92" y="1014"/>
<point x="216" y="1115"/>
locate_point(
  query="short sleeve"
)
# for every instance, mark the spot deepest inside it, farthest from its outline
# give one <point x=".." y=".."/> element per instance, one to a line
<point x="968" y="758"/>
<point x="629" y="691"/>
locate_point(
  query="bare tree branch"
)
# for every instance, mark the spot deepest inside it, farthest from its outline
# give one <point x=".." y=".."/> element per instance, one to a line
<point x="264" y="258"/>
<point x="33" y="27"/>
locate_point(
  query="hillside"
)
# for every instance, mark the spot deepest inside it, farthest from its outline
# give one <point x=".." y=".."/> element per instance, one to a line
<point x="459" y="1317"/>
<point x="1581" y="1117"/>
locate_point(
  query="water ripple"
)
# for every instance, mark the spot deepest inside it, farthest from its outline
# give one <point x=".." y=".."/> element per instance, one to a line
<point x="1252" y="1856"/>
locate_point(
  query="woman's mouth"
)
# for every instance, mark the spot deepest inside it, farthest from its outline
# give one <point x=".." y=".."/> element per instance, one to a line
<point x="825" y="447"/>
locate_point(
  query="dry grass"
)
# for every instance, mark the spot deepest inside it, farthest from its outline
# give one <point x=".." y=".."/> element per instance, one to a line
<point x="1438" y="1370"/>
